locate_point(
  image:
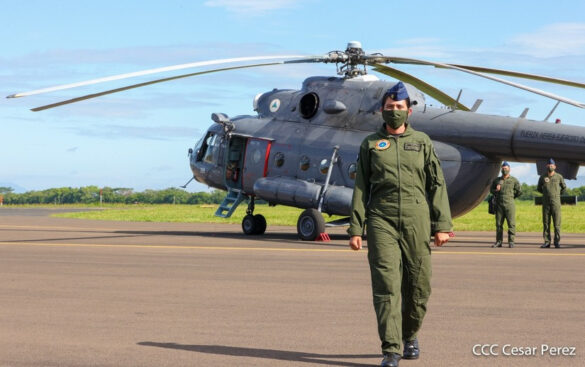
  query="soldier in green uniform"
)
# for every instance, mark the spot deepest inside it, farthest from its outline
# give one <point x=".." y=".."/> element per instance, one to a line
<point x="401" y="192"/>
<point x="552" y="186"/>
<point x="505" y="188"/>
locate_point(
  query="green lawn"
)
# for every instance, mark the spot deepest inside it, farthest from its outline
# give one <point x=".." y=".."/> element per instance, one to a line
<point x="528" y="216"/>
<point x="278" y="215"/>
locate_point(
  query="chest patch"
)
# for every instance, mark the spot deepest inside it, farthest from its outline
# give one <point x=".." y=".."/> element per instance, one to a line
<point x="383" y="144"/>
<point x="412" y="147"/>
<point x="546" y="179"/>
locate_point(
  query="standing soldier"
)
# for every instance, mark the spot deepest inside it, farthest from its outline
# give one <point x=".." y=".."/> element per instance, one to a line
<point x="400" y="190"/>
<point x="551" y="185"/>
<point x="505" y="188"/>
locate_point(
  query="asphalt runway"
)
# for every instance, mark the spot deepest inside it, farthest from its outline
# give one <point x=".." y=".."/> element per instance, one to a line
<point x="97" y="293"/>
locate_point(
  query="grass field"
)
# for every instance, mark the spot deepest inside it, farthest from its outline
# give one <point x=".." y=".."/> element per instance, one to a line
<point x="279" y="215"/>
<point x="528" y="216"/>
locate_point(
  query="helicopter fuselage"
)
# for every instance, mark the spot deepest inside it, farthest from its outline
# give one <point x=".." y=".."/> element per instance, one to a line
<point x="284" y="153"/>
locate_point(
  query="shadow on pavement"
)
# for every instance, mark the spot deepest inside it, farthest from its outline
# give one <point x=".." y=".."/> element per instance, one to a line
<point x="282" y="355"/>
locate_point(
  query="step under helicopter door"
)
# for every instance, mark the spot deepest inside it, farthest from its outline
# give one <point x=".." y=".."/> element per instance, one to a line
<point x="255" y="162"/>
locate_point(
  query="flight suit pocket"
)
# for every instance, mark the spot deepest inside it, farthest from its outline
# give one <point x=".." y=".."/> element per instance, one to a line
<point x="377" y="165"/>
<point x="414" y="152"/>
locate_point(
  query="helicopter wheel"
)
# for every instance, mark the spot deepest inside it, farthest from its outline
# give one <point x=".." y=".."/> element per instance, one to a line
<point x="254" y="224"/>
<point x="310" y="224"/>
<point x="260" y="224"/>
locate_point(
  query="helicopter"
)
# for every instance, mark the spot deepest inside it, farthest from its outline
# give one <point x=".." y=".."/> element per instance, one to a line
<point x="300" y="148"/>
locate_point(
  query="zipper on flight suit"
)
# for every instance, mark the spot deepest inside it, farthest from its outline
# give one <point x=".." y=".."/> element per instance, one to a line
<point x="399" y="181"/>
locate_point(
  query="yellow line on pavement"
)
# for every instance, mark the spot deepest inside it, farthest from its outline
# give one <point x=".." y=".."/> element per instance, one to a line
<point x="169" y="246"/>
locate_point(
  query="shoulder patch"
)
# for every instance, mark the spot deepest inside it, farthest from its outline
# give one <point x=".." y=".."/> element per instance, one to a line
<point x="382" y="144"/>
<point x="412" y="146"/>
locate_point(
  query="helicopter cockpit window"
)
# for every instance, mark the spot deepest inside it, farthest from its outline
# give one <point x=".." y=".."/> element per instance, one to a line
<point x="309" y="105"/>
<point x="209" y="149"/>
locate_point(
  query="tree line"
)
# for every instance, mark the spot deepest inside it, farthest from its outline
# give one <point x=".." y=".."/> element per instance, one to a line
<point x="529" y="192"/>
<point x="123" y="195"/>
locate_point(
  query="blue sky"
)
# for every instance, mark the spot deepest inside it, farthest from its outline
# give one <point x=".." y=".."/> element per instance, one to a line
<point x="140" y="138"/>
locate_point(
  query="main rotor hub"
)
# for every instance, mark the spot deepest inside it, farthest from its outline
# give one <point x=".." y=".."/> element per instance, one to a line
<point x="351" y="59"/>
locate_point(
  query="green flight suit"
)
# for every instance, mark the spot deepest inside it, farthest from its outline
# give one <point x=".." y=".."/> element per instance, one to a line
<point x="400" y="190"/>
<point x="505" y="206"/>
<point x="551" y="187"/>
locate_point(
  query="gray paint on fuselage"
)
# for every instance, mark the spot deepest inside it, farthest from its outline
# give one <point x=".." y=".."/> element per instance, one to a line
<point x="470" y="146"/>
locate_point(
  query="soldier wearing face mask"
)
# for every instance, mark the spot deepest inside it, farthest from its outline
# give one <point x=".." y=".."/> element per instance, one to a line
<point x="400" y="190"/>
<point x="551" y="185"/>
<point x="505" y="188"/>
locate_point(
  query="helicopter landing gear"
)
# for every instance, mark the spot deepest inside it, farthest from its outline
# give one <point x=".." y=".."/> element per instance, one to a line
<point x="310" y="224"/>
<point x="253" y="224"/>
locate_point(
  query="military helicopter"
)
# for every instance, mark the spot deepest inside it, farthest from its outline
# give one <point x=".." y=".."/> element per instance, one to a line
<point x="300" y="149"/>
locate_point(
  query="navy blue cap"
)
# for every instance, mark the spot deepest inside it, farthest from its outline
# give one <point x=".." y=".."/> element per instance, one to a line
<point x="551" y="161"/>
<point x="398" y="92"/>
<point x="505" y="163"/>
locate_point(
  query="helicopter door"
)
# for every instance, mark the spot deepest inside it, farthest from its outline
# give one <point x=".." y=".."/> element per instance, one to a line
<point x="255" y="162"/>
<point x="234" y="162"/>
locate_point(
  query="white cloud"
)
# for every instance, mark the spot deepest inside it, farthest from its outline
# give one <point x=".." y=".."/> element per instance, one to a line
<point x="251" y="7"/>
<point x="553" y="40"/>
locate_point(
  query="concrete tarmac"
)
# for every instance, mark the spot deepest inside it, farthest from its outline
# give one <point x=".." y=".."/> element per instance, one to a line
<point x="98" y="293"/>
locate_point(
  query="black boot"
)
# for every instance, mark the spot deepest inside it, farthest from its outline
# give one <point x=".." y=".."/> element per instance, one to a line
<point x="411" y="350"/>
<point x="390" y="360"/>
<point x="546" y="245"/>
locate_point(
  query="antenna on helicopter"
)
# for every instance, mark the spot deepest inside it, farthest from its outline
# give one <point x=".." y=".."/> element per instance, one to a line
<point x="454" y="107"/>
<point x="552" y="111"/>
<point x="476" y="105"/>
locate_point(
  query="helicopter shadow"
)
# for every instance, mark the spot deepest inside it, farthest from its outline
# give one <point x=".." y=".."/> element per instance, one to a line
<point x="280" y="355"/>
<point x="266" y="237"/>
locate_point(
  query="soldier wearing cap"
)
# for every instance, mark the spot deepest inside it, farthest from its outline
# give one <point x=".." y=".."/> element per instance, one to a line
<point x="505" y="188"/>
<point x="552" y="186"/>
<point x="401" y="192"/>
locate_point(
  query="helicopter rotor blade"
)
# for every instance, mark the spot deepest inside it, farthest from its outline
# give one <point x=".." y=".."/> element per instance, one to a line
<point x="350" y="58"/>
<point x="421" y="85"/>
<point x="402" y="60"/>
<point x="516" y="74"/>
<point x="164" y="69"/>
<point x="111" y="91"/>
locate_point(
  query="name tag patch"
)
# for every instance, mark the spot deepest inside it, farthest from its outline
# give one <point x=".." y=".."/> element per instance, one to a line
<point x="412" y="147"/>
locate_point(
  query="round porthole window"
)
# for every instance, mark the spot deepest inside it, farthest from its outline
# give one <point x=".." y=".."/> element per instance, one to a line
<point x="279" y="159"/>
<point x="324" y="166"/>
<point x="351" y="171"/>
<point x="304" y="163"/>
